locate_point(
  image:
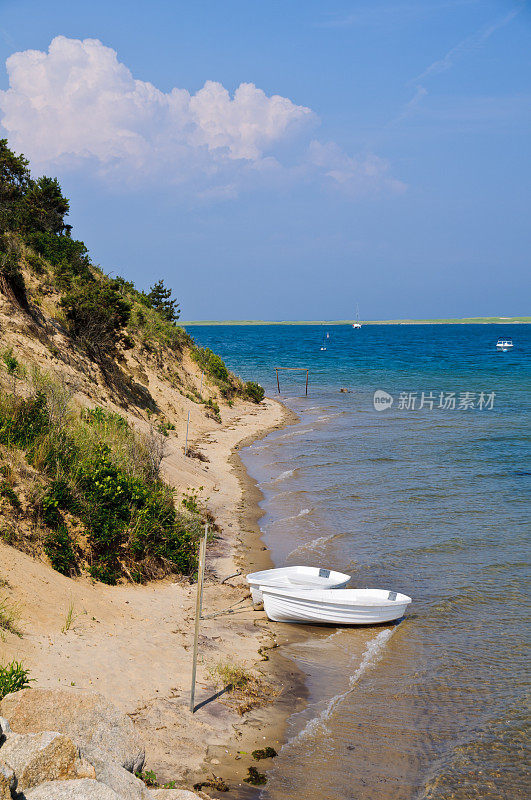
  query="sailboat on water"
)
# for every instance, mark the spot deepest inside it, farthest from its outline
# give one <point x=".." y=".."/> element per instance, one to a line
<point x="357" y="324"/>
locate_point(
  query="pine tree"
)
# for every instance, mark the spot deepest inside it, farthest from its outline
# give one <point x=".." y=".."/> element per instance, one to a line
<point x="160" y="299"/>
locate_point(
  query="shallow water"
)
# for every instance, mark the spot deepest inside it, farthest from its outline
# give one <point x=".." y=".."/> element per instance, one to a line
<point x="431" y="501"/>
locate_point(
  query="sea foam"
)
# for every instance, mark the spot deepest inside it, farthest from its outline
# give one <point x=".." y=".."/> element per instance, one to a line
<point x="371" y="655"/>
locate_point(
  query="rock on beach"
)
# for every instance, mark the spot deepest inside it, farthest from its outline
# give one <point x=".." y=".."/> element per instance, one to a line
<point x="94" y="724"/>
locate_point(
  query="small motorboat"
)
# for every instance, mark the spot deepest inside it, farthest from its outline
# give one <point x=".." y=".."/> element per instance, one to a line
<point x="295" y="577"/>
<point x="334" y="607"/>
<point x="504" y="343"/>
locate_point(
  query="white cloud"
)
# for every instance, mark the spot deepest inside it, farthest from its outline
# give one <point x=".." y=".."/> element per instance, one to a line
<point x="77" y="104"/>
<point x="357" y="176"/>
<point x="78" y="100"/>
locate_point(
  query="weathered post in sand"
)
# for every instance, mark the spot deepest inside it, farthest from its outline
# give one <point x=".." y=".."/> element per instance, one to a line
<point x="201" y="387"/>
<point x="186" y="440"/>
<point x="198" y="605"/>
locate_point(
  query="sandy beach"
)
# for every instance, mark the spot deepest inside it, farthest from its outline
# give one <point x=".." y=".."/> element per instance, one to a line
<point x="132" y="643"/>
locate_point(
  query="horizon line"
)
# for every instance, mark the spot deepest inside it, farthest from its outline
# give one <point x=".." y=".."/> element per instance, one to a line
<point x="407" y="321"/>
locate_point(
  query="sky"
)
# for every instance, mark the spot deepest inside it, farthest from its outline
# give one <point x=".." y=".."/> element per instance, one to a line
<point x="286" y="159"/>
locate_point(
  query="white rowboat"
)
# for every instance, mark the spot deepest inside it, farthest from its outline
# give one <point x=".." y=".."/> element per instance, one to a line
<point x="295" y="577"/>
<point x="335" y="607"/>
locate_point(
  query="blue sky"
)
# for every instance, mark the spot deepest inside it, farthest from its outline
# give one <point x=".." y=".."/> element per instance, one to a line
<point x="286" y="160"/>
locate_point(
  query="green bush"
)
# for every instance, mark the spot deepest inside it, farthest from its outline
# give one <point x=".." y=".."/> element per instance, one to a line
<point x="7" y="492"/>
<point x="13" y="678"/>
<point x="60" y="250"/>
<point x="254" y="391"/>
<point x="10" y="273"/>
<point x="96" y="313"/>
<point x="106" y="475"/>
<point x="22" y="422"/>
<point x="58" y="548"/>
<point x="211" y="363"/>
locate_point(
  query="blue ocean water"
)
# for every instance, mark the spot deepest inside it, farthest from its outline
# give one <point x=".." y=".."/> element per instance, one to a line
<point x="430" y="496"/>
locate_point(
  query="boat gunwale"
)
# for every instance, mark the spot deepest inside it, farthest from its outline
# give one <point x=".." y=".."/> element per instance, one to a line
<point x="306" y="595"/>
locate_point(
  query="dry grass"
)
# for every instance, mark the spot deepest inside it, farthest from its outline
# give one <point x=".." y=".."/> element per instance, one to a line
<point x="70" y="618"/>
<point x="8" y="618"/>
<point x="246" y="689"/>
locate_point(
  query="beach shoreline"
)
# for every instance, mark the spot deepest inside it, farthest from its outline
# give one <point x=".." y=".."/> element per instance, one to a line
<point x="266" y="725"/>
<point x="132" y="643"/>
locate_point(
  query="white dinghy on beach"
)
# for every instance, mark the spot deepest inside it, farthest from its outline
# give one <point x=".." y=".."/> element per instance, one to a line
<point x="334" y="607"/>
<point x="295" y="577"/>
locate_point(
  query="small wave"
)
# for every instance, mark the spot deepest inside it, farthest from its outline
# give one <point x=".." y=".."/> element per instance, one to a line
<point x="290" y="493"/>
<point x="303" y="513"/>
<point x="372" y="654"/>
<point x="288" y="473"/>
<point x="315" y="544"/>
<point x="296" y="433"/>
<point x="257" y="447"/>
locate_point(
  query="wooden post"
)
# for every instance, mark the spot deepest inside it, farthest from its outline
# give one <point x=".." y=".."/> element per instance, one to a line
<point x="201" y="387"/>
<point x="186" y="440"/>
<point x="198" y="605"/>
<point x="307" y="371"/>
<point x="278" y="382"/>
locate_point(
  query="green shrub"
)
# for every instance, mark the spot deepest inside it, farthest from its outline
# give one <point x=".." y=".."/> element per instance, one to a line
<point x="58" y="548"/>
<point x="10" y="273"/>
<point x="22" y="422"/>
<point x="106" y="571"/>
<point x="13" y="678"/>
<point x="190" y="500"/>
<point x="96" y="314"/>
<point x="35" y="262"/>
<point x="210" y="403"/>
<point x="106" y="475"/>
<point x="149" y="778"/>
<point x="7" y="492"/>
<point x="66" y="255"/>
<point x="254" y="391"/>
<point x="165" y="428"/>
<point x="211" y="363"/>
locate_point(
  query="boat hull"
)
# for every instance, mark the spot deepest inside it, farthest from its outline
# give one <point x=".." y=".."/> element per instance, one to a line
<point x="294" y="577"/>
<point x="300" y="607"/>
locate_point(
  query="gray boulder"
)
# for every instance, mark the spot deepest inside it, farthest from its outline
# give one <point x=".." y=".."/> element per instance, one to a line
<point x="7" y="782"/>
<point x="94" y="724"/>
<point x="119" y="780"/>
<point x="71" y="790"/>
<point x="39" y="757"/>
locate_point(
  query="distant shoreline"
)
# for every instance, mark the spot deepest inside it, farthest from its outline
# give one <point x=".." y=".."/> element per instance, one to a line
<point x="463" y="321"/>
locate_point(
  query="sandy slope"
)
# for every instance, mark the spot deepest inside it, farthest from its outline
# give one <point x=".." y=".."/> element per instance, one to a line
<point x="132" y="643"/>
